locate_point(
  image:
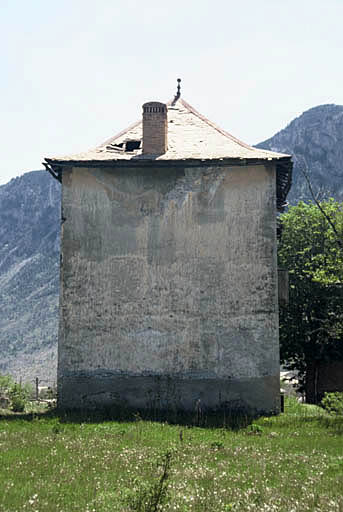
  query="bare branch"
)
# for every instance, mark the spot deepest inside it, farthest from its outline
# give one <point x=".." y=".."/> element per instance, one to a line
<point x="324" y="329"/>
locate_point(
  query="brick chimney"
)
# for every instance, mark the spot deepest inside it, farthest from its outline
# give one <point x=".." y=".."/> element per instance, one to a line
<point x="155" y="128"/>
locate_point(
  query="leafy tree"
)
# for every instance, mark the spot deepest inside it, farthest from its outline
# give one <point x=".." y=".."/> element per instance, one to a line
<point x="6" y="383"/>
<point x="311" y="325"/>
<point x="17" y="393"/>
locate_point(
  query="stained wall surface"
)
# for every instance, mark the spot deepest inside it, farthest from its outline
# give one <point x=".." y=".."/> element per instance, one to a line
<point x="169" y="288"/>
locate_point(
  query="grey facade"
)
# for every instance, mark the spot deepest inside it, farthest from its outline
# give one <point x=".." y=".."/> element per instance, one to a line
<point x="169" y="284"/>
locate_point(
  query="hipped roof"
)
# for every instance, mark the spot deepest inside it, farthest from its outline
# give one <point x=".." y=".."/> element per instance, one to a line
<point x="191" y="136"/>
<point x="192" y="140"/>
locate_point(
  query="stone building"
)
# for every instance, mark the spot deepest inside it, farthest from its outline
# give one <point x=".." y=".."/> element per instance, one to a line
<point x="169" y="292"/>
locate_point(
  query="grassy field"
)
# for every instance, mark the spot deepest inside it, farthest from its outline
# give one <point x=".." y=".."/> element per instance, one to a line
<point x="293" y="462"/>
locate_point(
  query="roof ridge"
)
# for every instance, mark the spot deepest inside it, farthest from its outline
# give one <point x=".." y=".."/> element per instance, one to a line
<point x="213" y="125"/>
<point x="112" y="139"/>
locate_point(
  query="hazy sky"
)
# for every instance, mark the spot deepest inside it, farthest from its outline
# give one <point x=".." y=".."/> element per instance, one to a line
<point x="75" y="72"/>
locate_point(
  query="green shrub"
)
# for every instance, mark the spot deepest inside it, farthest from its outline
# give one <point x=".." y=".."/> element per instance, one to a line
<point x="6" y="383"/>
<point x="333" y="403"/>
<point x="217" y="445"/>
<point x="18" y="395"/>
<point x="254" y="429"/>
<point x="18" y="404"/>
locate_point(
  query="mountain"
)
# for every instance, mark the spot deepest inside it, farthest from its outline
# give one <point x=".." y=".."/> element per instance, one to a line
<point x="30" y="235"/>
<point x="29" y="275"/>
<point x="315" y="139"/>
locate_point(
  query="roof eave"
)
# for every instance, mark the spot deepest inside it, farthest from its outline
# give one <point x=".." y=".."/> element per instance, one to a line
<point x="284" y="167"/>
<point x="137" y="162"/>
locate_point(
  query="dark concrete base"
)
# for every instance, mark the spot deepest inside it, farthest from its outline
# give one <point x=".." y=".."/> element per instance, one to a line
<point x="102" y="389"/>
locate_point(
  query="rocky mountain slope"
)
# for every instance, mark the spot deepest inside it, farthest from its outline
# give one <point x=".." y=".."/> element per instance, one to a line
<point x="29" y="275"/>
<point x="30" y="230"/>
<point x="315" y="139"/>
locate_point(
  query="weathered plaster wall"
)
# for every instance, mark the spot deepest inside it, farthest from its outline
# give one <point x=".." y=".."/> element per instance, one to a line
<point x="169" y="290"/>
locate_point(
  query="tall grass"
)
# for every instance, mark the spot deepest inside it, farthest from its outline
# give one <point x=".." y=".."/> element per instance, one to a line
<point x="292" y="462"/>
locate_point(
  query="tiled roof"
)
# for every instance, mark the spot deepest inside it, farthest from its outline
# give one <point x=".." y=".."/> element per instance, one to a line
<point x="190" y="137"/>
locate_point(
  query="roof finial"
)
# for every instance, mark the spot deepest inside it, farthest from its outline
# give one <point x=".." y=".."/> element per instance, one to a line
<point x="178" y="93"/>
